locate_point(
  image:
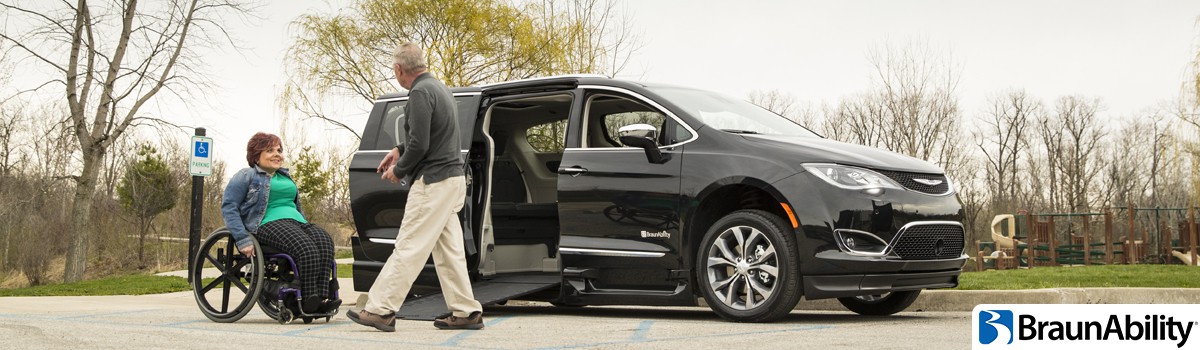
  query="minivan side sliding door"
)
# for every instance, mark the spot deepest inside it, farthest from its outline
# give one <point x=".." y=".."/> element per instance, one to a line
<point x="377" y="205"/>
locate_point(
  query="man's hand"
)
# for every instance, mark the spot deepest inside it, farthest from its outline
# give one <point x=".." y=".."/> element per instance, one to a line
<point x="248" y="251"/>
<point x="390" y="176"/>
<point x="388" y="161"/>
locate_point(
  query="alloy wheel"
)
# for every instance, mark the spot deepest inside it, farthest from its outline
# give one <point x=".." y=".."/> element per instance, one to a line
<point x="742" y="268"/>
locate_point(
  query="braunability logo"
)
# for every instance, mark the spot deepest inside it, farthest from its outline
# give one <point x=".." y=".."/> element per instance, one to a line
<point x="1069" y="326"/>
<point x="995" y="327"/>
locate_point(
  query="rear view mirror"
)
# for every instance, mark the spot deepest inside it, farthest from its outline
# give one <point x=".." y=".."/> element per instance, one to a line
<point x="643" y="136"/>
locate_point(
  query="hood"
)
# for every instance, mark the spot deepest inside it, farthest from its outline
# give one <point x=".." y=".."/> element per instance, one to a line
<point x="819" y="150"/>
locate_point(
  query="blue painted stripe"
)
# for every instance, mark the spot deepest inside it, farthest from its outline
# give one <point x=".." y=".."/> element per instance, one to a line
<point x="642" y="341"/>
<point x="639" y="335"/>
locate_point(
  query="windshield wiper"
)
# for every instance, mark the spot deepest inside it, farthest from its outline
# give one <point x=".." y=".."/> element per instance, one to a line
<point x="736" y="131"/>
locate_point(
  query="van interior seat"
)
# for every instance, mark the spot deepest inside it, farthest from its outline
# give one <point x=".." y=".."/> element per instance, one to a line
<point x="508" y="186"/>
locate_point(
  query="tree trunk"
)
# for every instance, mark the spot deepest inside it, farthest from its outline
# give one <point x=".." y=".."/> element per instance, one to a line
<point x="142" y="244"/>
<point x="81" y="213"/>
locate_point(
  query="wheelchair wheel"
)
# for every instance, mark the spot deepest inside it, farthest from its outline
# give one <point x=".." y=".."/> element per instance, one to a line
<point x="232" y="294"/>
<point x="271" y="307"/>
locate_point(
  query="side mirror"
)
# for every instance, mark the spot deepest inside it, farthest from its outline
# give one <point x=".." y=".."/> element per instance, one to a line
<point x="643" y="136"/>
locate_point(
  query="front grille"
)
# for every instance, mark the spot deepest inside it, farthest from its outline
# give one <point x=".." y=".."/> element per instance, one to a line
<point x="909" y="181"/>
<point x="929" y="242"/>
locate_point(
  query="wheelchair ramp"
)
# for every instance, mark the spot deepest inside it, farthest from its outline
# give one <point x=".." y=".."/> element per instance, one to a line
<point x="488" y="292"/>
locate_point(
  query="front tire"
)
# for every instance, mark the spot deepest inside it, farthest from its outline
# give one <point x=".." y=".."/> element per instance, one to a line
<point x="880" y="304"/>
<point x="747" y="268"/>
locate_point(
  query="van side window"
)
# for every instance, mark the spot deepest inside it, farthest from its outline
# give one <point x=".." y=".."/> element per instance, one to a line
<point x="391" y="131"/>
<point x="549" y="137"/>
<point x="607" y="114"/>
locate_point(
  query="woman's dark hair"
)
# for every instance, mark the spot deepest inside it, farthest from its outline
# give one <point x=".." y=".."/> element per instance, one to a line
<point x="258" y="143"/>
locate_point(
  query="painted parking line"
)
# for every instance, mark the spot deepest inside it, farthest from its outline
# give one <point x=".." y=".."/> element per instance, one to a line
<point x="640" y="333"/>
<point x="636" y="339"/>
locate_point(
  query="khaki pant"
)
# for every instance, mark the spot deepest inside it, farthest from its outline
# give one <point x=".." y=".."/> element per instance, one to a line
<point x="430" y="225"/>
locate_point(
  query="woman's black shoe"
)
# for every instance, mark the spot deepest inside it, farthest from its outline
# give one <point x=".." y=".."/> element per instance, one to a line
<point x="312" y="304"/>
<point x="330" y="306"/>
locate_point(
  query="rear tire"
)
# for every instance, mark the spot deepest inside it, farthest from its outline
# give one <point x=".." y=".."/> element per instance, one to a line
<point x="747" y="267"/>
<point x="880" y="304"/>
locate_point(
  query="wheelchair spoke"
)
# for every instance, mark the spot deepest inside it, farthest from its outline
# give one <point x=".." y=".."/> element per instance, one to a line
<point x="238" y="282"/>
<point x="220" y="267"/>
<point x="225" y="293"/>
<point x="210" y="285"/>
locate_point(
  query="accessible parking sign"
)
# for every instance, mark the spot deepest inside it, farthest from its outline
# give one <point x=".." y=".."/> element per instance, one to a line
<point x="201" y="162"/>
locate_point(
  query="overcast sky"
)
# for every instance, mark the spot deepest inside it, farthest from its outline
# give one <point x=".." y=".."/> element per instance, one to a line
<point x="1131" y="54"/>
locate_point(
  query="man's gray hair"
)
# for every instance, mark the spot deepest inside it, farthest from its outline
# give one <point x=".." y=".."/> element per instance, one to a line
<point x="410" y="57"/>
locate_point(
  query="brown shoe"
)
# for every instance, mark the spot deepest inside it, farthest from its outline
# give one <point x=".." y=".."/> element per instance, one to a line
<point x="384" y="323"/>
<point x="475" y="321"/>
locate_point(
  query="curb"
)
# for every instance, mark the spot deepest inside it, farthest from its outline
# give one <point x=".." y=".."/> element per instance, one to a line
<point x="966" y="300"/>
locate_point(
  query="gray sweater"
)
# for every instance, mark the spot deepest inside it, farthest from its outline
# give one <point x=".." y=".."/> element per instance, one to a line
<point x="431" y="123"/>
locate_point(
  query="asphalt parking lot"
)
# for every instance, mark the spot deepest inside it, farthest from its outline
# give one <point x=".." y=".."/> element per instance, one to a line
<point x="173" y="321"/>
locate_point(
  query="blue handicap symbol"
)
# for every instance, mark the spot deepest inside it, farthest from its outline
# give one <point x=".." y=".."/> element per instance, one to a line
<point x="202" y="149"/>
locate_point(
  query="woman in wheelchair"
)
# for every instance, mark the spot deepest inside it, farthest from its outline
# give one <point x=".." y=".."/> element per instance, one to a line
<point x="263" y="201"/>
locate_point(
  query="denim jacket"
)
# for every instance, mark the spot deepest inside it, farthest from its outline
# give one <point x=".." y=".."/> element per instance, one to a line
<point x="245" y="202"/>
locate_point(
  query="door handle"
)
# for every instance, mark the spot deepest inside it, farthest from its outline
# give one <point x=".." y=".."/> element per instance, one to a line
<point x="573" y="171"/>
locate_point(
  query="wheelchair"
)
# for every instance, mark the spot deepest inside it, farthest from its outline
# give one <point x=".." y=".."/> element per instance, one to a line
<point x="269" y="278"/>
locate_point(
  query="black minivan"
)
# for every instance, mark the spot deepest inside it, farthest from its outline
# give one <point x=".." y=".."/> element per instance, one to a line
<point x="586" y="190"/>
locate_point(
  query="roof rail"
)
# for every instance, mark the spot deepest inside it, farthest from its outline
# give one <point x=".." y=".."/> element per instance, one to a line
<point x="553" y="77"/>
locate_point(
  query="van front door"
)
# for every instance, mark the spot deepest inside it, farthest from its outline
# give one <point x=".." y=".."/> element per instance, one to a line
<point x="619" y="213"/>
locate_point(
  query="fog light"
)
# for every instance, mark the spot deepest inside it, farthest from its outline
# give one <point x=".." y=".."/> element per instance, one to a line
<point x="860" y="242"/>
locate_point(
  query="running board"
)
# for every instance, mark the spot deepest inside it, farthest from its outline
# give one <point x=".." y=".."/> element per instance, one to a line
<point x="488" y="292"/>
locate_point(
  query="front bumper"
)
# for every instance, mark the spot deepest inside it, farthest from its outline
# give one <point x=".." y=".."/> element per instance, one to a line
<point x="930" y="258"/>
<point x="837" y="286"/>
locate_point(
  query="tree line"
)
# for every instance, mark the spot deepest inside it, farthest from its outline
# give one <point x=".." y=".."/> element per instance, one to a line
<point x="1052" y="154"/>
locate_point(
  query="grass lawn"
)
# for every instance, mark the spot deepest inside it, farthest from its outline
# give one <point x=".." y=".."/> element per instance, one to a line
<point x="122" y="285"/>
<point x="1142" y="276"/>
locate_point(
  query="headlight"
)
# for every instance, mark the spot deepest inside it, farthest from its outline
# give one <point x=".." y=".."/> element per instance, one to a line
<point x="851" y="178"/>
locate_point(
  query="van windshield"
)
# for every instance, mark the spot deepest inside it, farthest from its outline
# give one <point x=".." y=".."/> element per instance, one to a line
<point x="730" y="114"/>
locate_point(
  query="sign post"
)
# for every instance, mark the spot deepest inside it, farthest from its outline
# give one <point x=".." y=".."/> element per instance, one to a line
<point x="200" y="165"/>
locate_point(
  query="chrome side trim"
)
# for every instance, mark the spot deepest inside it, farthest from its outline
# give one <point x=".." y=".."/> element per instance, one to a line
<point x="606" y="252"/>
<point x="382" y="241"/>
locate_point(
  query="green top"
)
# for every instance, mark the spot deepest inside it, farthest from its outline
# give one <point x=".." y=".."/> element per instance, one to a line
<point x="281" y="202"/>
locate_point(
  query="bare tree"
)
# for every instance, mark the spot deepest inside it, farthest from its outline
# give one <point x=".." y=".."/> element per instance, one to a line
<point x="911" y="108"/>
<point x="1125" y="180"/>
<point x="1003" y="143"/>
<point x="110" y="70"/>
<point x="1074" y="142"/>
<point x="784" y="104"/>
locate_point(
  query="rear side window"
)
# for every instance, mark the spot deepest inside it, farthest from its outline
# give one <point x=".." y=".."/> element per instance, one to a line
<point x="549" y="137"/>
<point x="391" y="131"/>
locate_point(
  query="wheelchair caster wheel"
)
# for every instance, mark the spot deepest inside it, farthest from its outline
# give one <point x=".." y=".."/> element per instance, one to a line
<point x="285" y="316"/>
<point x="327" y="318"/>
<point x="307" y="320"/>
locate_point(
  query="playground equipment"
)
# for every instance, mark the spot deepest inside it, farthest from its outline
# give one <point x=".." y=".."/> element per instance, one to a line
<point x="1001" y="253"/>
<point x="1152" y="235"/>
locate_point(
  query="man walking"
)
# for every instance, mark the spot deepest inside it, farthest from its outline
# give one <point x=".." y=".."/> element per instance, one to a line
<point x="431" y="155"/>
